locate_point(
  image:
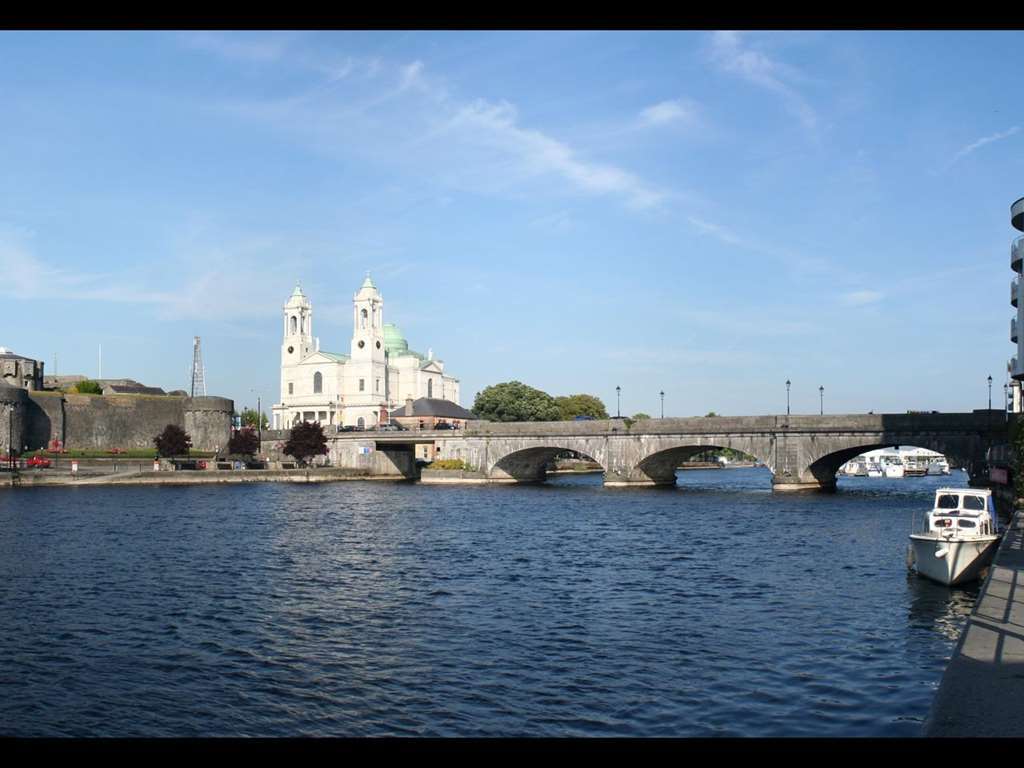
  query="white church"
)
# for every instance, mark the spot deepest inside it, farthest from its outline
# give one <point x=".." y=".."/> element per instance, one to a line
<point x="361" y="388"/>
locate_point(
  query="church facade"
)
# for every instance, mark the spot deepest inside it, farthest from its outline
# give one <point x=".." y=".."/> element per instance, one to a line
<point x="358" y="389"/>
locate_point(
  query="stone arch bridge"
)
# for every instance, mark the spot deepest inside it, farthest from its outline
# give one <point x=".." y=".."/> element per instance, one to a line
<point x="802" y="452"/>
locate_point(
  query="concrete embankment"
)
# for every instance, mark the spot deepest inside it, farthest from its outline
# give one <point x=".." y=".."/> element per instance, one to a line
<point x="983" y="685"/>
<point x="312" y="475"/>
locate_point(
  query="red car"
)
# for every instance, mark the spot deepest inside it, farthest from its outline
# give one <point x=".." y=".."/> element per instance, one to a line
<point x="37" y="461"/>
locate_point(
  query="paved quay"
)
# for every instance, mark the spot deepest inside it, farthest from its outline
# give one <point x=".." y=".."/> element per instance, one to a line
<point x="982" y="689"/>
<point x="312" y="475"/>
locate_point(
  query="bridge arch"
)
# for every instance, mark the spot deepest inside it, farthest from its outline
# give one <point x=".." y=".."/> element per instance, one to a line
<point x="529" y="465"/>
<point x="657" y="465"/>
<point x="961" y="450"/>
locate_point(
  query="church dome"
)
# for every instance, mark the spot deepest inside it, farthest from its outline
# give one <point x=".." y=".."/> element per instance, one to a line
<point x="394" y="342"/>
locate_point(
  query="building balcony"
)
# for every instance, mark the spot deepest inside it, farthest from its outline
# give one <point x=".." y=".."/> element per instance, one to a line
<point x="1014" y="291"/>
<point x="1016" y="370"/>
<point x="1016" y="254"/>
<point x="1017" y="214"/>
<point x="1013" y="329"/>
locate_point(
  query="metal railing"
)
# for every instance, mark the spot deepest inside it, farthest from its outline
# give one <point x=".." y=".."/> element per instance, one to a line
<point x="1016" y="253"/>
<point x="1014" y="289"/>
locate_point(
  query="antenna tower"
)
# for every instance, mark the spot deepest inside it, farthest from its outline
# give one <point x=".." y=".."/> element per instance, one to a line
<point x="198" y="372"/>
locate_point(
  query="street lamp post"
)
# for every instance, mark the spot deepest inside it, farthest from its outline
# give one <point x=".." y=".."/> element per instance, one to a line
<point x="662" y="393"/>
<point x="1006" y="401"/>
<point x="821" y="394"/>
<point x="618" y="403"/>
<point x="990" y="393"/>
<point x="787" y="397"/>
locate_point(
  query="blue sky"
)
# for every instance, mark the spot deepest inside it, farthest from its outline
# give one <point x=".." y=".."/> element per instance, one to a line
<point x="704" y="213"/>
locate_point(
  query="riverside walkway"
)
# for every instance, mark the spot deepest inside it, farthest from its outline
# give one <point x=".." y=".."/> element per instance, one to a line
<point x="982" y="689"/>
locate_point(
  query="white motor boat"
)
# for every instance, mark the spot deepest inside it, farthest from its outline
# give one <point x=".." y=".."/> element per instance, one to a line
<point x="874" y="469"/>
<point x="894" y="470"/>
<point x="958" y="538"/>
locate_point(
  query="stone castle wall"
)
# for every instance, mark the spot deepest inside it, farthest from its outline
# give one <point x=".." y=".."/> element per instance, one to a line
<point x="120" y="421"/>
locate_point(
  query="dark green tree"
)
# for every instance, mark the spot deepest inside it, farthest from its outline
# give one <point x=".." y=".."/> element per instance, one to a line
<point x="571" y="406"/>
<point x="641" y="415"/>
<point x="173" y="441"/>
<point x="515" y="401"/>
<point x="244" y="442"/>
<point x="249" y="418"/>
<point x="89" y="387"/>
<point x="711" y="413"/>
<point x="306" y="441"/>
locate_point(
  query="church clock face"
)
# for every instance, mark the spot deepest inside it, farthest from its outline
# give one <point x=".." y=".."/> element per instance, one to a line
<point x="290" y="350"/>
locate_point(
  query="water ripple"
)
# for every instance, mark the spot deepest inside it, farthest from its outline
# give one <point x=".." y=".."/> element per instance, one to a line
<point x="364" y="609"/>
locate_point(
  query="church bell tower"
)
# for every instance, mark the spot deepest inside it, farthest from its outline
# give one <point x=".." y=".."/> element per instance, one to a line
<point x="298" y="329"/>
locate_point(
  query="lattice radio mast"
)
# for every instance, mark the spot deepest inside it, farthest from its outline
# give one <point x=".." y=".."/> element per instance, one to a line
<point x="198" y="372"/>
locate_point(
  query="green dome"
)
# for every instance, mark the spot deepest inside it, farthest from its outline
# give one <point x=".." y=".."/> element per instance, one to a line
<point x="394" y="343"/>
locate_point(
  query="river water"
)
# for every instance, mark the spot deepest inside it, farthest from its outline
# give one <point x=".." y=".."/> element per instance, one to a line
<point x="372" y="608"/>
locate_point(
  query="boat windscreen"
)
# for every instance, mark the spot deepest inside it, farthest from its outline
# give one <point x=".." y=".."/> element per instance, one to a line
<point x="974" y="502"/>
<point x="948" y="501"/>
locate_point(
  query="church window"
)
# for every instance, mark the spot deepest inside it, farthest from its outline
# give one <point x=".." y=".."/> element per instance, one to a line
<point x="430" y="387"/>
<point x="362" y="384"/>
<point x="291" y="388"/>
<point x="361" y="422"/>
<point x="318" y="383"/>
<point x="362" y="343"/>
<point x="378" y="345"/>
<point x="376" y="386"/>
<point x="364" y="318"/>
<point x="295" y="323"/>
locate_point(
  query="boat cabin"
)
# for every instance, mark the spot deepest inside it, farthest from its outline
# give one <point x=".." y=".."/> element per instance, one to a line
<point x="963" y="511"/>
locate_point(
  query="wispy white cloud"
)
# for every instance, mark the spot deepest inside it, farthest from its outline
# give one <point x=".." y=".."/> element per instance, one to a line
<point x="417" y="122"/>
<point x="730" y="54"/>
<point x="982" y="142"/>
<point x="861" y="298"/>
<point x="718" y="231"/>
<point x="668" y="112"/>
<point x="538" y="154"/>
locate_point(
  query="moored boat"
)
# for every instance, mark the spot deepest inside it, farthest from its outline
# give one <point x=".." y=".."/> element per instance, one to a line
<point x="958" y="538"/>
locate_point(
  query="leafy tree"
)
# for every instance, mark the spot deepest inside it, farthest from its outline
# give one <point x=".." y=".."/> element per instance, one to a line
<point x="711" y="413"/>
<point x="249" y="418"/>
<point x="306" y="440"/>
<point x="515" y="401"/>
<point x="173" y="441"/>
<point x="244" y="442"/>
<point x="641" y="415"/>
<point x="571" y="406"/>
<point x="89" y="387"/>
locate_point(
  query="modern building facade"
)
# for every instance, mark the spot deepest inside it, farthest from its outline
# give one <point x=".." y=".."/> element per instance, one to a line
<point x="1016" y="365"/>
<point x="359" y="388"/>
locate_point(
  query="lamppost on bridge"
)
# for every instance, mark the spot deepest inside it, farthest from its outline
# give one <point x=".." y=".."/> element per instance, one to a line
<point x="787" y="397"/>
<point x="618" y="403"/>
<point x="662" y="393"/>
<point x="988" y="417"/>
<point x="821" y="394"/>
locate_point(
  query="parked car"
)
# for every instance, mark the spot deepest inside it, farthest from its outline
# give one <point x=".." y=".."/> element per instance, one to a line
<point x="443" y="425"/>
<point x="39" y="462"/>
<point x="582" y="417"/>
<point x="392" y="427"/>
<point x="346" y="428"/>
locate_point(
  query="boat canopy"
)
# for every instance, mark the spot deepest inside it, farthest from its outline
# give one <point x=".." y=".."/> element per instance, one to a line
<point x="970" y="501"/>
